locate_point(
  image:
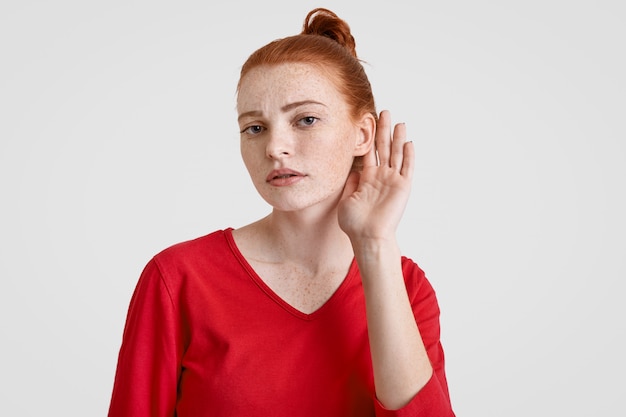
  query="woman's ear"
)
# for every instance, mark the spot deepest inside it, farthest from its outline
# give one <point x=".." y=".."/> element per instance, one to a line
<point x="365" y="136"/>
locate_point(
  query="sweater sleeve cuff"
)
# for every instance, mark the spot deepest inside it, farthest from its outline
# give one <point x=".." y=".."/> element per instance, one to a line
<point x="430" y="401"/>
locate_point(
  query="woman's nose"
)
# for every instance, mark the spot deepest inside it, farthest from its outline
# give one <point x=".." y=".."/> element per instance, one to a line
<point x="279" y="144"/>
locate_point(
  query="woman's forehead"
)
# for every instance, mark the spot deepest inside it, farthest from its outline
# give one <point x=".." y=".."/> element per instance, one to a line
<point x="289" y="82"/>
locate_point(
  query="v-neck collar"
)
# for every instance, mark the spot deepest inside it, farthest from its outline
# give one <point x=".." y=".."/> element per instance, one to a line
<point x="352" y="272"/>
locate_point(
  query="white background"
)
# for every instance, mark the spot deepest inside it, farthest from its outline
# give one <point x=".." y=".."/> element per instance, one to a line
<point x="118" y="138"/>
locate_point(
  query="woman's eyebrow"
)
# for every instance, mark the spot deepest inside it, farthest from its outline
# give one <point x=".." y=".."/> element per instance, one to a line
<point x="250" y="113"/>
<point x="285" y="108"/>
<point x="291" y="106"/>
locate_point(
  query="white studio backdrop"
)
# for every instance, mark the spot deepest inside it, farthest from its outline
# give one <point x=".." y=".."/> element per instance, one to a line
<point x="118" y="138"/>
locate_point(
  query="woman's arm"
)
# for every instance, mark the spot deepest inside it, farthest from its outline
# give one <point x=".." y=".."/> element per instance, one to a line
<point x="148" y="366"/>
<point x="401" y="365"/>
<point x="370" y="211"/>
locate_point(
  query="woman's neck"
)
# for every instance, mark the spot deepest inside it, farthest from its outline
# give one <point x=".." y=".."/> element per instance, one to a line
<point x="307" y="239"/>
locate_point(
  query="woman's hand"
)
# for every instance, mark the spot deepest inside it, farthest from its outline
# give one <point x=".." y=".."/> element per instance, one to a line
<point x="374" y="199"/>
<point x="369" y="213"/>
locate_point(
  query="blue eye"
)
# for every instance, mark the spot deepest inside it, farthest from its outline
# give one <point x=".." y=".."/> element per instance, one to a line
<point x="253" y="130"/>
<point x="308" y="120"/>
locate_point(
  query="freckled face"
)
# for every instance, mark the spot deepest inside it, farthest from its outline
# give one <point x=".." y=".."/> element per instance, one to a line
<point x="297" y="138"/>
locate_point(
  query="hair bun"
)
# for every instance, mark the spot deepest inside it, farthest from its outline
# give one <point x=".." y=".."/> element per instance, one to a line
<point x="323" y="22"/>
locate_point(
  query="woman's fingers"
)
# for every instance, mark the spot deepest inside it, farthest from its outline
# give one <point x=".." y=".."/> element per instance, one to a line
<point x="390" y="147"/>
<point x="383" y="138"/>
<point x="408" y="161"/>
<point x="397" y="147"/>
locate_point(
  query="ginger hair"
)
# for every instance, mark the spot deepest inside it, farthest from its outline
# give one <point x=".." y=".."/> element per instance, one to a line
<point x="327" y="43"/>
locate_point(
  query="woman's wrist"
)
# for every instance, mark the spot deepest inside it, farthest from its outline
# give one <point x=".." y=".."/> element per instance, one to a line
<point x="377" y="258"/>
<point x="375" y="246"/>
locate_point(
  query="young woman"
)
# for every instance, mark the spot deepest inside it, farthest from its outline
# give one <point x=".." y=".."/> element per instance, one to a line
<point x="312" y="310"/>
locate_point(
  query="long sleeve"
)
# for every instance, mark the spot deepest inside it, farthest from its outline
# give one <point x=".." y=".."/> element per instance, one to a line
<point x="433" y="400"/>
<point x="149" y="360"/>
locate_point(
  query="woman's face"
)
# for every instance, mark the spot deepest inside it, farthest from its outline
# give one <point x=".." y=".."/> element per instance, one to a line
<point x="298" y="140"/>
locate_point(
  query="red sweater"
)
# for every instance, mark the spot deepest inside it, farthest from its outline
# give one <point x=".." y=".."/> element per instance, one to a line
<point x="205" y="336"/>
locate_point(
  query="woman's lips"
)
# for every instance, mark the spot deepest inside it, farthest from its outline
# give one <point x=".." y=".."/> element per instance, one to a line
<point x="284" y="176"/>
